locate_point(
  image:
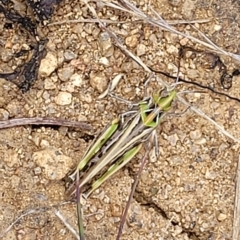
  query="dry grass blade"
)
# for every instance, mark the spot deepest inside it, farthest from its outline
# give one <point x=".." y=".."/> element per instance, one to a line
<point x="160" y="22"/>
<point x="39" y="210"/>
<point x="117" y="41"/>
<point x="236" y="218"/>
<point x="202" y="114"/>
<point x="43" y="121"/>
<point x="171" y="22"/>
<point x="66" y="223"/>
<point x="29" y="212"/>
<point x="123" y="218"/>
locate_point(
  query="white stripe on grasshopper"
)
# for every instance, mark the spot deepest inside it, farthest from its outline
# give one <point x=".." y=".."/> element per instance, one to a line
<point x="113" y="169"/>
<point x="96" y="146"/>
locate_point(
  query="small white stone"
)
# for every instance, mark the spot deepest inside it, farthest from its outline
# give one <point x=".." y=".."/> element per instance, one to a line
<point x="65" y="73"/>
<point x="210" y="175"/>
<point x="69" y="55"/>
<point x="200" y="141"/>
<point x="105" y="44"/>
<point x="63" y="98"/>
<point x="141" y="49"/>
<point x="172" y="49"/>
<point x="44" y="143"/>
<point x="76" y="80"/>
<point x="98" y="81"/>
<point x="4" y="114"/>
<point x="173" y="139"/>
<point x="194" y="135"/>
<point x="37" y="170"/>
<point x="104" y="61"/>
<point x="221" y="217"/>
<point x="217" y="27"/>
<point x="49" y="84"/>
<point x="131" y="41"/>
<point x="48" y="65"/>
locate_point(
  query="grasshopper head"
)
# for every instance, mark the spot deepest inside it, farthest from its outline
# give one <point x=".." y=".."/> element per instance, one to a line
<point x="164" y="99"/>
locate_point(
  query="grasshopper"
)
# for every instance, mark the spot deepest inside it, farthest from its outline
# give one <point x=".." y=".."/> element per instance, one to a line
<point x="122" y="140"/>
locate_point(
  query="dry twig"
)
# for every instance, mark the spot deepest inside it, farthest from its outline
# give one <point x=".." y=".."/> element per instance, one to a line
<point x="44" y="121"/>
<point x="236" y="218"/>
<point x="28" y="212"/>
<point x="124" y="215"/>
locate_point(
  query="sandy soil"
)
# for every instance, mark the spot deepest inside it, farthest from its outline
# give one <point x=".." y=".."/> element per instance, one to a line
<point x="188" y="192"/>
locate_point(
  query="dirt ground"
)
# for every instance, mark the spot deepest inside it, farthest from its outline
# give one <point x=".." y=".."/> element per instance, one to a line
<point x="188" y="192"/>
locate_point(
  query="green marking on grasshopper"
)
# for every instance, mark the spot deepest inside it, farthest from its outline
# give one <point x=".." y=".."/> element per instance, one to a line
<point x="96" y="146"/>
<point x="162" y="105"/>
<point x="121" y="162"/>
<point x="119" y="143"/>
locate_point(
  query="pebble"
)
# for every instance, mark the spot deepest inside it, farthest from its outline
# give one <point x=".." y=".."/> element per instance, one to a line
<point x="4" y="114"/>
<point x="54" y="164"/>
<point x="147" y="32"/>
<point x="48" y="65"/>
<point x="69" y="55"/>
<point x="105" y="44"/>
<point x="173" y="139"/>
<point x="11" y="158"/>
<point x="188" y="8"/>
<point x="44" y="143"/>
<point x="37" y="170"/>
<point x="184" y="41"/>
<point x="15" y="180"/>
<point x="131" y="41"/>
<point x="19" y="7"/>
<point x="174" y="3"/>
<point x="215" y="105"/>
<point x="141" y="49"/>
<point x="104" y="61"/>
<point x="196" y="134"/>
<point x="221" y="217"/>
<point x="210" y="175"/>
<point x="98" y="81"/>
<point x="63" y="98"/>
<point x="172" y="49"/>
<point x="65" y="73"/>
<point x="178" y="230"/>
<point x="49" y="84"/>
<point x="200" y="141"/>
<point x="6" y="55"/>
<point x="76" y="80"/>
<point x="217" y="28"/>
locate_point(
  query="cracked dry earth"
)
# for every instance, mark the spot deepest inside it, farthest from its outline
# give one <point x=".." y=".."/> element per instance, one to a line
<point x="187" y="192"/>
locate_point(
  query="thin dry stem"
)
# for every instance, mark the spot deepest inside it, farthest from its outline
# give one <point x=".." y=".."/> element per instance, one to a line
<point x="124" y="215"/>
<point x="236" y="218"/>
<point x="37" y="210"/>
<point x="43" y="121"/>
<point x="164" y="25"/>
<point x="171" y="22"/>
<point x="28" y="212"/>
<point x="202" y="114"/>
<point x="67" y="224"/>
